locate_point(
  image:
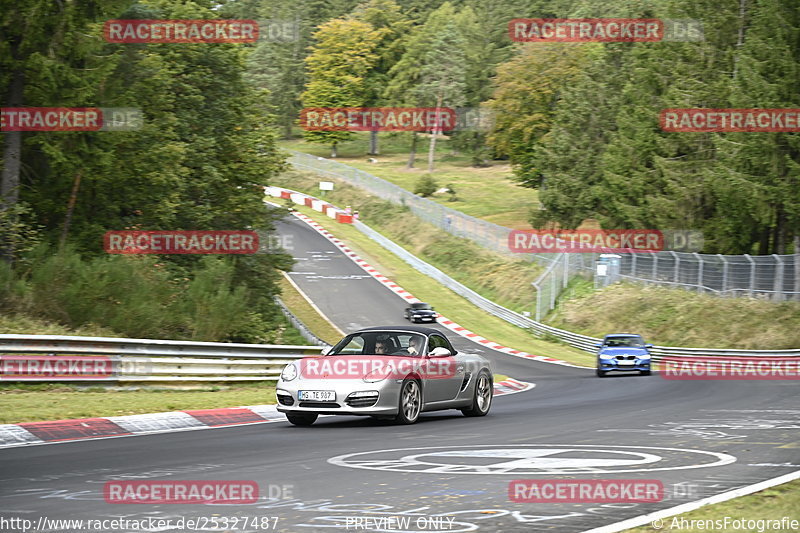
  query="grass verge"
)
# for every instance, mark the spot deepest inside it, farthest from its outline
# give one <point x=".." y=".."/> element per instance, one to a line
<point x="502" y="279"/>
<point x="308" y="315"/>
<point x="32" y="403"/>
<point x="672" y="317"/>
<point x="489" y="192"/>
<point x="768" y="504"/>
<point x="447" y="302"/>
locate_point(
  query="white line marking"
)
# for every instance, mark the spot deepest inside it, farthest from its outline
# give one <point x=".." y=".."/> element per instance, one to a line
<point x="691" y="506"/>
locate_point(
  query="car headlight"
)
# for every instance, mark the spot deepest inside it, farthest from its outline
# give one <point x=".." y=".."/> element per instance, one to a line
<point x="289" y="372"/>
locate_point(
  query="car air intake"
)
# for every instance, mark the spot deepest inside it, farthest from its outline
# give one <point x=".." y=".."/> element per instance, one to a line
<point x="361" y="399"/>
<point x="285" y="399"/>
<point x="320" y="405"/>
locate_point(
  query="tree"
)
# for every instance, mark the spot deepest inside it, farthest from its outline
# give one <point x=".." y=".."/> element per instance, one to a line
<point x="383" y="15"/>
<point x="432" y="71"/>
<point x="337" y="67"/>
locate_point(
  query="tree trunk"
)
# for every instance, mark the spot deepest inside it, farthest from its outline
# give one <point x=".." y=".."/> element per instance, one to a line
<point x="12" y="146"/>
<point x="412" y="156"/>
<point x="73" y="197"/>
<point x="436" y="129"/>
<point x="779" y="242"/>
<point x="373" y="143"/>
<point x="12" y="157"/>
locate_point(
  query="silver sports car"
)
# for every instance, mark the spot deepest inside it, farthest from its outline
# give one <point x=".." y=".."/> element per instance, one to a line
<point x="391" y="372"/>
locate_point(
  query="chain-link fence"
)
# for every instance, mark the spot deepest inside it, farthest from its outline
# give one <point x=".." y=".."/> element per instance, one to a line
<point x="773" y="276"/>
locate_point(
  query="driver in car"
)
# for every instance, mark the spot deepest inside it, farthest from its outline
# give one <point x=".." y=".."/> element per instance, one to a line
<point x="381" y="347"/>
<point x="415" y="345"/>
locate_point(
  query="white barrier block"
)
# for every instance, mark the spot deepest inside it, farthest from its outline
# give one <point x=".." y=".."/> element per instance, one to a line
<point x="156" y="422"/>
<point x="318" y="205"/>
<point x="331" y="212"/>
<point x="298" y="198"/>
<point x="11" y="435"/>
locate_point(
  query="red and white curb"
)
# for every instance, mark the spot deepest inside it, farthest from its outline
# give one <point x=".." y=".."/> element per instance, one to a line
<point x="397" y="289"/>
<point x="34" y="433"/>
<point x="511" y="386"/>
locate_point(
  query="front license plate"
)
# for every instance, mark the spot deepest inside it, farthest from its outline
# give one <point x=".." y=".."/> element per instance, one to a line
<point x="627" y="363"/>
<point x="318" y="395"/>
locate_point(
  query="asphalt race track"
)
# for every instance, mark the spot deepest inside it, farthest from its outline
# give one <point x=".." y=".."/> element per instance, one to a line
<point x="447" y="472"/>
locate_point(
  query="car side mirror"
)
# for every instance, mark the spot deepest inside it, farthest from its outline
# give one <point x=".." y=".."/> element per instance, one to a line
<point x="326" y="351"/>
<point x="440" y="351"/>
<point x="598" y="345"/>
<point x="648" y="345"/>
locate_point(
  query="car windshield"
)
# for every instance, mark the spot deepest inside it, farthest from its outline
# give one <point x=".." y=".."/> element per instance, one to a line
<point x="625" y="342"/>
<point x="420" y="306"/>
<point x="380" y="343"/>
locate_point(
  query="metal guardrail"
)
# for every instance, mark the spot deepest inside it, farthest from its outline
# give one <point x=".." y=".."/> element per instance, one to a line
<point x="576" y="340"/>
<point x="147" y="360"/>
<point x="299" y="325"/>
<point x="774" y="276"/>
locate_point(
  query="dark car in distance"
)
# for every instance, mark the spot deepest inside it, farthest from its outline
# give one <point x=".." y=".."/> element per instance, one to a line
<point x="420" y="312"/>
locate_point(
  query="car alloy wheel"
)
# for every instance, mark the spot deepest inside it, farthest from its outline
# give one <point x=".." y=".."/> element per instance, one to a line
<point x="482" y="397"/>
<point x="410" y="402"/>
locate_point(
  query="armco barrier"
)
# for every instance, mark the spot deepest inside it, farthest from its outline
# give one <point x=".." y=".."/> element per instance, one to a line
<point x="576" y="340"/>
<point x="145" y="360"/>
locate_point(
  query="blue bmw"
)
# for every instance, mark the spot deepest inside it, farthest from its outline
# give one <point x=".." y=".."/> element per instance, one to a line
<point x="623" y="352"/>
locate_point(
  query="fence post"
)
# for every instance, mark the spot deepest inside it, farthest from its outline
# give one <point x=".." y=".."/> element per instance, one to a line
<point x="538" y="301"/>
<point x="655" y="266"/>
<point x="724" y="273"/>
<point x="633" y="264"/>
<point x="699" y="272"/>
<point x="778" y="283"/>
<point x="752" y="275"/>
<point x="677" y="266"/>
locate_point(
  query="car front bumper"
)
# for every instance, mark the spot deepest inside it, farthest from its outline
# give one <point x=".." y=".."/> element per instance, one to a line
<point x="612" y="365"/>
<point x="388" y="397"/>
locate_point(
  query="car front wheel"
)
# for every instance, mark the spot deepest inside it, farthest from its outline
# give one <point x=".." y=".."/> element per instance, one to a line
<point x="600" y="373"/>
<point x="482" y="397"/>
<point x="304" y="419"/>
<point x="410" y="402"/>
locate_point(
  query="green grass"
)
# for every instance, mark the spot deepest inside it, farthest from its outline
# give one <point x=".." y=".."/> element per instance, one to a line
<point x="446" y="302"/>
<point x="502" y="279"/>
<point x="488" y="193"/>
<point x="307" y="314"/>
<point x="769" y="504"/>
<point x="31" y="403"/>
<point x="672" y="317"/>
<point x="21" y="324"/>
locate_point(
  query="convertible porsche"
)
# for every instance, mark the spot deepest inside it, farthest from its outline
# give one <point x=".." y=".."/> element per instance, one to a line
<point x="392" y="373"/>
